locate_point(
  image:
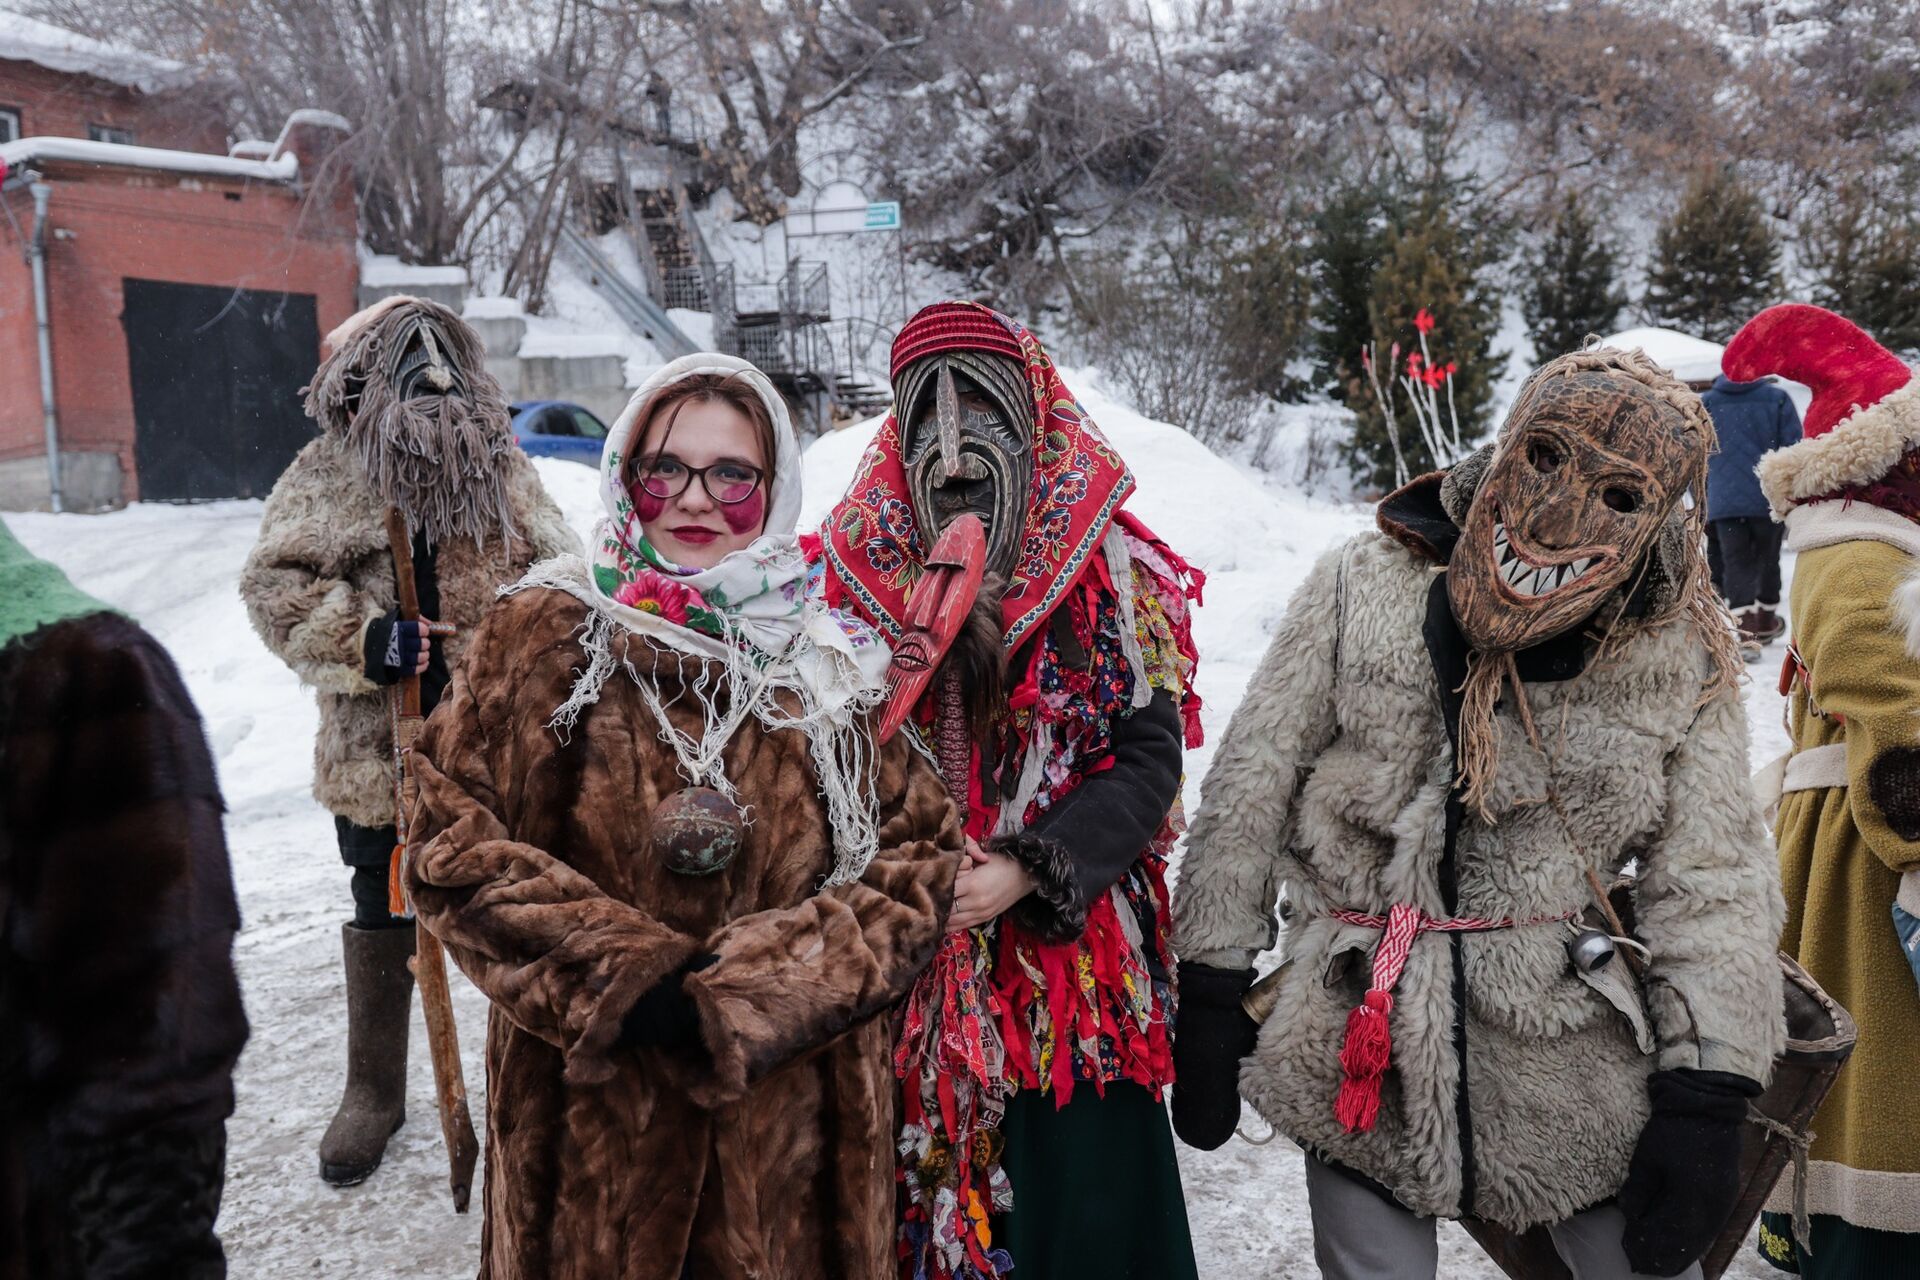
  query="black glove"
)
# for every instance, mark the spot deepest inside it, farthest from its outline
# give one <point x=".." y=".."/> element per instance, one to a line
<point x="665" y="1017"/>
<point x="1685" y="1174"/>
<point x="391" y="649"/>
<point x="1213" y="1034"/>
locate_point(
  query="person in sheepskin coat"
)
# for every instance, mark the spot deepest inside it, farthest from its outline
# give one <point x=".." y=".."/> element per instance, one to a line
<point x="120" y="1016"/>
<point x="655" y="830"/>
<point x="408" y="418"/>
<point x="1849" y="822"/>
<point x="1520" y="682"/>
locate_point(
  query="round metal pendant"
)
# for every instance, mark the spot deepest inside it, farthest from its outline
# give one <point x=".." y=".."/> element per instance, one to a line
<point x="697" y="832"/>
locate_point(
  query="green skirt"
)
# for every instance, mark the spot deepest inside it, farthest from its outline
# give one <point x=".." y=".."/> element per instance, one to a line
<point x="1841" y="1251"/>
<point x="1096" y="1189"/>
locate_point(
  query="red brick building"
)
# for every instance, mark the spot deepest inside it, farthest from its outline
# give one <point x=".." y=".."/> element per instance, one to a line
<point x="185" y="288"/>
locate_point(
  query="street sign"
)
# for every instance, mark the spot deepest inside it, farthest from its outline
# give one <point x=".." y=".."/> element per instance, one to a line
<point x="844" y="219"/>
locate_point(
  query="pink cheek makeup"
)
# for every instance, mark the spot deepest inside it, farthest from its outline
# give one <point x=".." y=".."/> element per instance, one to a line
<point x="746" y="515"/>
<point x="646" y="506"/>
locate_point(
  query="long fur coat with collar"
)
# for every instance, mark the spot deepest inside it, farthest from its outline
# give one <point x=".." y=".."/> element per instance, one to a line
<point x="322" y="571"/>
<point x="1516" y="1090"/>
<point x="768" y="1149"/>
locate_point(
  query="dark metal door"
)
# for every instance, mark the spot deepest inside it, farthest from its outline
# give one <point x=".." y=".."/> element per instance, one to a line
<point x="216" y="386"/>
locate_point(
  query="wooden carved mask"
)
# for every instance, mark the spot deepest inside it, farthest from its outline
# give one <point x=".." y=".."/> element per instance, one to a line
<point x="1589" y="466"/>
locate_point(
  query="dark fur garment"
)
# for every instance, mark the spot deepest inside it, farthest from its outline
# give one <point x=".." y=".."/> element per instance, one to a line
<point x="1054" y="910"/>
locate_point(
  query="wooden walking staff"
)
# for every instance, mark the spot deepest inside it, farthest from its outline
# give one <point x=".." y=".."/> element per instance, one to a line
<point x="429" y="961"/>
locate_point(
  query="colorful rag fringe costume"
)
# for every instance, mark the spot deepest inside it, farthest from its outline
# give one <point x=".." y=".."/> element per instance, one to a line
<point x="1848" y="828"/>
<point x="1070" y="989"/>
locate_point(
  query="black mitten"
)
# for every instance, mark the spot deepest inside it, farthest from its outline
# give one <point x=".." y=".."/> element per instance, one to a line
<point x="1213" y="1034"/>
<point x="1684" y="1176"/>
<point x="665" y="1017"/>
<point x="391" y="649"/>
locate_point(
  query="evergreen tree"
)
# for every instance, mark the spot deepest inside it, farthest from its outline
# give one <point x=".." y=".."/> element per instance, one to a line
<point x="1864" y="251"/>
<point x="1715" y="262"/>
<point x="1266" y="291"/>
<point x="1438" y="257"/>
<point x="1572" y="291"/>
<point x="1349" y="236"/>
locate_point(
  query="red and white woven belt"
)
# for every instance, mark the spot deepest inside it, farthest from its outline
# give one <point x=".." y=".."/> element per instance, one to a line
<point x="1369" y="1044"/>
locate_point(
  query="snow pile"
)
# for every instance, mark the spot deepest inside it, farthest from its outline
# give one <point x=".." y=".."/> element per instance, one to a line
<point x="25" y="39"/>
<point x="1688" y="358"/>
<point x="175" y="568"/>
<point x="386" y="271"/>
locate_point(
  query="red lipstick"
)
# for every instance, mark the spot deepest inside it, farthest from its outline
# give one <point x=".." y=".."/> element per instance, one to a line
<point x="694" y="535"/>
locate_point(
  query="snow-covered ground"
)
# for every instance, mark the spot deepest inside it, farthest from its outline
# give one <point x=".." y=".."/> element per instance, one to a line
<point x="175" y="569"/>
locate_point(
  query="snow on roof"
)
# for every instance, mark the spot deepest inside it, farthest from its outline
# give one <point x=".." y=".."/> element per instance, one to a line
<point x="385" y="270"/>
<point x="24" y="151"/>
<point x="546" y="342"/>
<point x="492" y="307"/>
<point x="1692" y="359"/>
<point x="1688" y="358"/>
<point x="24" y="39"/>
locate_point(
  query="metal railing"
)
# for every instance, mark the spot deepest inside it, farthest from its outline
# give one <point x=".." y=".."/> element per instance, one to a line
<point x="640" y="313"/>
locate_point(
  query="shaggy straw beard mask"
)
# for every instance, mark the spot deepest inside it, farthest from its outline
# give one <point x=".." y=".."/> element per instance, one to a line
<point x="1581" y="498"/>
<point x="407" y="389"/>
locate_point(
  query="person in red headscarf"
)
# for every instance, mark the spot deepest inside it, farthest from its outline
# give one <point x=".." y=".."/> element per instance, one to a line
<point x="1034" y="1052"/>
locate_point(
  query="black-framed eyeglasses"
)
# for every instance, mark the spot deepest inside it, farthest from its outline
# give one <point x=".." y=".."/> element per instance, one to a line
<point x="726" y="482"/>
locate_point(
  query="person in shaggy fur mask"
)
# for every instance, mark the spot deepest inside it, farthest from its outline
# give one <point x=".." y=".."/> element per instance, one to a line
<point x="1469" y="722"/>
<point x="409" y="418"/>
<point x="656" y="830"/>
<point x="120" y="1016"/>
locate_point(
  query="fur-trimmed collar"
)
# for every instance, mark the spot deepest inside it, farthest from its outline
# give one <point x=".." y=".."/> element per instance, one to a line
<point x="1826" y="524"/>
<point x="1859" y="450"/>
<point x="1823" y="524"/>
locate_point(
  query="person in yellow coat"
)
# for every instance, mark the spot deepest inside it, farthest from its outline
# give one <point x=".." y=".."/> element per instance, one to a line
<point x="1849" y="821"/>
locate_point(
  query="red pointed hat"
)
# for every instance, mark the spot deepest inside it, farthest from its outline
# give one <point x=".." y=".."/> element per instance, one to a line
<point x="1847" y="370"/>
<point x="1865" y="415"/>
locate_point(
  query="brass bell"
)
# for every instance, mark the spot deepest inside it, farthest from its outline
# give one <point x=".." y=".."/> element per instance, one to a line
<point x="1590" y="950"/>
<point x="697" y="832"/>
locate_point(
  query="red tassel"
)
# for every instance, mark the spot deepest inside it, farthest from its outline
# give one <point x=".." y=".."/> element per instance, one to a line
<point x="1363" y="1061"/>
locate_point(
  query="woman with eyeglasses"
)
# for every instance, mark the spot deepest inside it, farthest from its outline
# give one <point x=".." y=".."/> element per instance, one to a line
<point x="655" y="829"/>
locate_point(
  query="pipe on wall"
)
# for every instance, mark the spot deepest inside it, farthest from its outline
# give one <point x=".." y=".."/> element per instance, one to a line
<point x="37" y="255"/>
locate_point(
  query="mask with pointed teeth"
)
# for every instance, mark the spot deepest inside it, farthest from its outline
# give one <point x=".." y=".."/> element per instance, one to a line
<point x="1588" y="468"/>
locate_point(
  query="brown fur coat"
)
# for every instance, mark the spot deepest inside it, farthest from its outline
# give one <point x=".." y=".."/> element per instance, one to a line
<point x="768" y="1152"/>
<point x="322" y="572"/>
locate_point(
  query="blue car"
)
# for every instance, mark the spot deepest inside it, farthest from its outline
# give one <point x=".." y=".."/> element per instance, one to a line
<point x="557" y="429"/>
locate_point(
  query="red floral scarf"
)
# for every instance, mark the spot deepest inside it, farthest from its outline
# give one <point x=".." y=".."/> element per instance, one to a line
<point x="873" y="548"/>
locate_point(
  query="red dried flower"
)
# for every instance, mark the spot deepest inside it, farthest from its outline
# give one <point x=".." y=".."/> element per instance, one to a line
<point x="1423" y="320"/>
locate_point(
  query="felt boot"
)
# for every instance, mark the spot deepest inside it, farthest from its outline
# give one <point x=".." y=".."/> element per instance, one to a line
<point x="379" y="1011"/>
